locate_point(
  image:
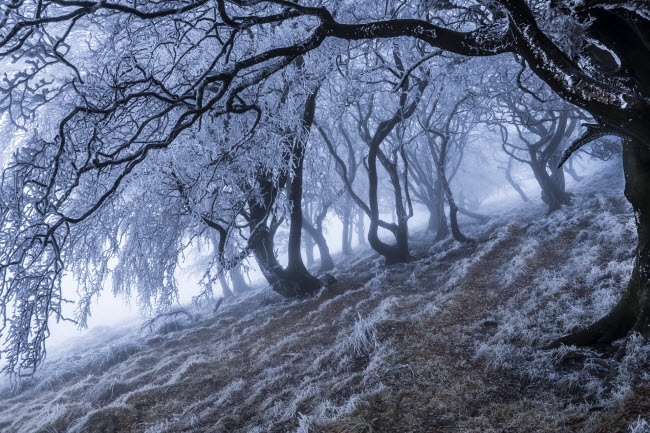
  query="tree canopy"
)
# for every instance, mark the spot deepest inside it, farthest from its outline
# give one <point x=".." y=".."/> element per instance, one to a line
<point x="136" y="127"/>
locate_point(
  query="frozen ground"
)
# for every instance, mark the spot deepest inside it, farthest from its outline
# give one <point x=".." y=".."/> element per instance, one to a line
<point x="447" y="343"/>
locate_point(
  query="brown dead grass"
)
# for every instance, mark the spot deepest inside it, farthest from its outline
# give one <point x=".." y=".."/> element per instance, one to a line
<point x="431" y="379"/>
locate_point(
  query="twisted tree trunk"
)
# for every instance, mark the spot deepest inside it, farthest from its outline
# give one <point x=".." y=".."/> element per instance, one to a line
<point x="399" y="252"/>
<point x="316" y="233"/>
<point x="572" y="171"/>
<point x="295" y="279"/>
<point x="553" y="193"/>
<point x="514" y="184"/>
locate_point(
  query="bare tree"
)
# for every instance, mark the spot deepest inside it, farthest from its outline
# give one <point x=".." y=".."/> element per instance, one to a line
<point x="512" y="182"/>
<point x="374" y="138"/>
<point x="543" y="134"/>
<point x="111" y="116"/>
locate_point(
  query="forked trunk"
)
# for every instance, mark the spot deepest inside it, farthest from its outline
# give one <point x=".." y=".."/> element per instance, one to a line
<point x="553" y="193"/>
<point x="453" y="209"/>
<point x="396" y="253"/>
<point x="294" y="281"/>
<point x="514" y="184"/>
<point x="568" y="167"/>
<point x="316" y="233"/>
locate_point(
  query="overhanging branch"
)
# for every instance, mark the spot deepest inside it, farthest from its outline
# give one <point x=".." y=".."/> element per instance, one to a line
<point x="594" y="131"/>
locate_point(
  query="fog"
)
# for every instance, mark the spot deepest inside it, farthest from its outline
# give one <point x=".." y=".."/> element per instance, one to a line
<point x="121" y="312"/>
<point x="324" y="216"/>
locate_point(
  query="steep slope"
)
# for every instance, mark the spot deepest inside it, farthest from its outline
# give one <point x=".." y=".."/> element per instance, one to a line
<point x="449" y="342"/>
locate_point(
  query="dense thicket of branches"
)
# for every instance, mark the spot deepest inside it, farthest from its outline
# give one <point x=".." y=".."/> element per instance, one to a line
<point x="140" y="128"/>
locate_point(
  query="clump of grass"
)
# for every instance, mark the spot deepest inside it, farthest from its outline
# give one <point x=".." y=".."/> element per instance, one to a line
<point x="363" y="339"/>
<point x="640" y="426"/>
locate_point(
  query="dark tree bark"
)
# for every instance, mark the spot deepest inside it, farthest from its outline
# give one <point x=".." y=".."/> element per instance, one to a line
<point x="453" y="209"/>
<point x="553" y="183"/>
<point x="398" y="211"/>
<point x="316" y="233"/>
<point x="568" y="167"/>
<point x="619" y="109"/>
<point x="427" y="188"/>
<point x="295" y="266"/>
<point x="290" y="282"/>
<point x="553" y="193"/>
<point x="295" y="280"/>
<point x="442" y="231"/>
<point x="514" y="184"/>
<point x="627" y="116"/>
<point x="620" y="106"/>
<point x="399" y="251"/>
<point x="632" y="312"/>
<point x="440" y="161"/>
<point x="428" y="191"/>
<point x="545" y="154"/>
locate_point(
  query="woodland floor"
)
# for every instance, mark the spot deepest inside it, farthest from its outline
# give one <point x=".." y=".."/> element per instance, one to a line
<point x="447" y="343"/>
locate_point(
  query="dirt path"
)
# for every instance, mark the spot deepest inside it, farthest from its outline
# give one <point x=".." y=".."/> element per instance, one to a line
<point x="445" y="343"/>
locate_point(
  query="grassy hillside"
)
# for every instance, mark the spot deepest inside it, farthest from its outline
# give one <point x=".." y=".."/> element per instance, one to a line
<point x="450" y="342"/>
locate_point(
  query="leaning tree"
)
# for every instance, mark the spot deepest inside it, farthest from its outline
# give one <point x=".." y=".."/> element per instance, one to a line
<point x="151" y="72"/>
<point x="544" y="129"/>
<point x="379" y="132"/>
<point x="320" y="193"/>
